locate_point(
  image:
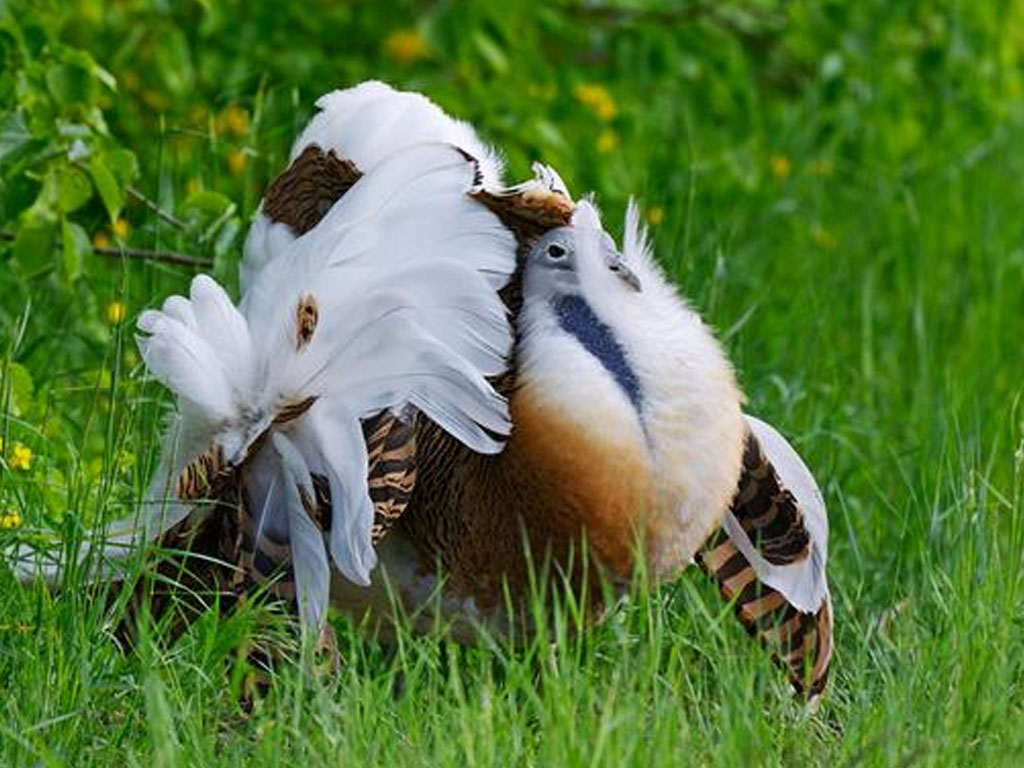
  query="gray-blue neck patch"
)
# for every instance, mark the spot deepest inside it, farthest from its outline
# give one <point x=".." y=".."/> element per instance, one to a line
<point x="577" y="318"/>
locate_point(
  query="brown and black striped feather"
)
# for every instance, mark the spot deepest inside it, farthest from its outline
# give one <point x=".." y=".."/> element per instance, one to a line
<point x="799" y="642"/>
<point x="767" y="511"/>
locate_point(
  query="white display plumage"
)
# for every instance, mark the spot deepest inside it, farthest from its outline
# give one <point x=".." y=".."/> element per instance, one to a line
<point x="367" y="125"/>
<point x="403" y="274"/>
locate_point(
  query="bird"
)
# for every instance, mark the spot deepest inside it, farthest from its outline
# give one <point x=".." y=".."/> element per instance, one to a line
<point x="436" y="382"/>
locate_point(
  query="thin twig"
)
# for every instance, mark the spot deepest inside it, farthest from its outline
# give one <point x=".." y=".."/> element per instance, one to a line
<point x="137" y="196"/>
<point x="134" y="194"/>
<point x="166" y="257"/>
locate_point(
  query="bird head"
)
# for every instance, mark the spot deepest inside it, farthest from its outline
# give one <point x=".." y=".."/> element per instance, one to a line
<point x="578" y="258"/>
<point x="568" y="273"/>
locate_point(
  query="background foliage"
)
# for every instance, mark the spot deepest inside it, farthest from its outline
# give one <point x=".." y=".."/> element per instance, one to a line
<point x="837" y="186"/>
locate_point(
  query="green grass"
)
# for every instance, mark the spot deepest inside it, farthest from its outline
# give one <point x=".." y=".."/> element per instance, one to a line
<point x="857" y="240"/>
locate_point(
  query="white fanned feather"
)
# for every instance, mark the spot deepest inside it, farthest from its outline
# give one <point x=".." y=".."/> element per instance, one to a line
<point x="402" y="274"/>
<point x="804" y="584"/>
<point x="367" y="124"/>
<point x="309" y="556"/>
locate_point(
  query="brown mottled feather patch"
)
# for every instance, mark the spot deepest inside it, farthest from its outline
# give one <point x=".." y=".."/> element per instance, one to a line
<point x="205" y="477"/>
<point x="292" y="411"/>
<point x="307" y="314"/>
<point x="529" y="213"/>
<point x="199" y="568"/>
<point x="391" y="452"/>
<point x="308" y="188"/>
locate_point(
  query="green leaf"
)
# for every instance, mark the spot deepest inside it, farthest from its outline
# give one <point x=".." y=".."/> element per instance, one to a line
<point x="70" y="84"/>
<point x="16" y="388"/>
<point x="111" y="191"/>
<point x="491" y="52"/>
<point x="104" y="76"/>
<point x="225" y="239"/>
<point x="33" y="248"/>
<point x="174" y="60"/>
<point x="14" y="133"/>
<point x="123" y="164"/>
<point x="74" y="246"/>
<point x="206" y="203"/>
<point x="72" y="187"/>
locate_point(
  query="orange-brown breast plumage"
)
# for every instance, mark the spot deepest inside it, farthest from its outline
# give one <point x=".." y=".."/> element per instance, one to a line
<point x="554" y="486"/>
<point x="572" y="482"/>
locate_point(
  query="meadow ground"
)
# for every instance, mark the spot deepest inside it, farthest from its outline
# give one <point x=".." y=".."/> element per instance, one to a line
<point x="837" y="187"/>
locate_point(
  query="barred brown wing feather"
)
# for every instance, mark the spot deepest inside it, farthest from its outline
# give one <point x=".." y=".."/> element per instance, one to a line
<point x="391" y="448"/>
<point x="769" y="513"/>
<point x="769" y="557"/>
<point x="801" y="643"/>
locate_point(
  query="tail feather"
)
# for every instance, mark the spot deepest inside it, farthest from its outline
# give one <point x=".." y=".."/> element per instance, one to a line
<point x="769" y="557"/>
<point x="800" y="643"/>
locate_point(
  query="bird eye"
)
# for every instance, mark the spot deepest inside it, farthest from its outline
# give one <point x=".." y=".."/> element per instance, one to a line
<point x="555" y="251"/>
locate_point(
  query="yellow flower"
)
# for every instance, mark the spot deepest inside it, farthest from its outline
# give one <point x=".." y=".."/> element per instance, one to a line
<point x="101" y="240"/>
<point x="130" y="80"/>
<point x="21" y="457"/>
<point x="597" y="99"/>
<point x="115" y="312"/>
<point x="823" y="167"/>
<point x="197" y="114"/>
<point x="233" y="120"/>
<point x="122" y="228"/>
<point x="781" y="166"/>
<point x="607" y="141"/>
<point x="823" y="238"/>
<point x="237" y="160"/>
<point x="655" y="215"/>
<point x="406" y="46"/>
<point x="10" y="519"/>
<point x="154" y="99"/>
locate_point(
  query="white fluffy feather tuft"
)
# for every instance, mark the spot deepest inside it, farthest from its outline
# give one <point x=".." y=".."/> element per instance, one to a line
<point x="371" y="121"/>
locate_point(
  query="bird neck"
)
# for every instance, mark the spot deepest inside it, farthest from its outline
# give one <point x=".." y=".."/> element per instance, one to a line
<point x="577" y="318"/>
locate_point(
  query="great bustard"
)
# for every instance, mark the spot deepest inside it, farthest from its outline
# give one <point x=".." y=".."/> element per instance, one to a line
<point x="431" y="374"/>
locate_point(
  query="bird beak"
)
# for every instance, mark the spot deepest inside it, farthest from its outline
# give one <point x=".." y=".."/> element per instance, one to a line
<point x="618" y="266"/>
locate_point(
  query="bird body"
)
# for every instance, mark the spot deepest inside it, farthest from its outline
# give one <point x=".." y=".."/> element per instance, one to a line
<point x="461" y="394"/>
<point x="604" y="458"/>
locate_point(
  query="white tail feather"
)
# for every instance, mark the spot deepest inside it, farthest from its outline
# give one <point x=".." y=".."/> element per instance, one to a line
<point x="309" y="557"/>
